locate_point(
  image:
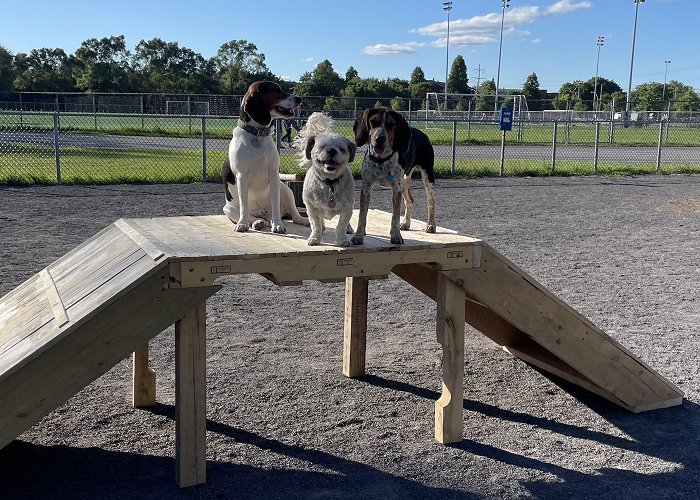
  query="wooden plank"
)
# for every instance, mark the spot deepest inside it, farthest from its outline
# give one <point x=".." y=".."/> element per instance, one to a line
<point x="424" y="278"/>
<point x="528" y="306"/>
<point x="355" y="326"/>
<point x="147" y="244"/>
<point x="144" y="379"/>
<point x="88" y="349"/>
<point x="190" y="397"/>
<point x="54" y="298"/>
<point x="23" y="311"/>
<point x="296" y="268"/>
<point x="450" y="334"/>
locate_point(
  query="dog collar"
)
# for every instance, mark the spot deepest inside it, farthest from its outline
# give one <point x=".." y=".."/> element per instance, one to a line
<point x="378" y="161"/>
<point x="256" y="131"/>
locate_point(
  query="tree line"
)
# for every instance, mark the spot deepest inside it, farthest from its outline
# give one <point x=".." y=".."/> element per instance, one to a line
<point x="157" y="66"/>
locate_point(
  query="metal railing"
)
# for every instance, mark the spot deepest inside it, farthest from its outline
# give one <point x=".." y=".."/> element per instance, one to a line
<point x="55" y="147"/>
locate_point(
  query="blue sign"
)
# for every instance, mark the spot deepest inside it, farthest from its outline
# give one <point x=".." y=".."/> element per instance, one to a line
<point x="506" y="119"/>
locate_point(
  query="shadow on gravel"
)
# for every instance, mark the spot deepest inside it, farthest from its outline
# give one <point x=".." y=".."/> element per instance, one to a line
<point x="64" y="472"/>
<point x="670" y="434"/>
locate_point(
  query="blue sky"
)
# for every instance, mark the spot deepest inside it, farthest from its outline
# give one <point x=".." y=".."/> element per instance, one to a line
<point x="556" y="39"/>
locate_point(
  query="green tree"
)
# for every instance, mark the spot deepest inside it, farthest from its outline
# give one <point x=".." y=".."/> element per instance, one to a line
<point x="44" y="70"/>
<point x="457" y="81"/>
<point x="322" y="81"/>
<point x="103" y="65"/>
<point x="531" y="91"/>
<point x="569" y="95"/>
<point x="418" y="86"/>
<point x="351" y="73"/>
<point x="168" y="68"/>
<point x="483" y="102"/>
<point x="7" y="71"/>
<point x="237" y="64"/>
<point x="647" y="96"/>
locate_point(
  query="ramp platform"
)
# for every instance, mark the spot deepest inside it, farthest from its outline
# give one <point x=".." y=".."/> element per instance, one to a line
<point x="84" y="313"/>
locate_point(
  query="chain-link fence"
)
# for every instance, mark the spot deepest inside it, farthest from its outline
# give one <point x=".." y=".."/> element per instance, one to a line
<point x="41" y="147"/>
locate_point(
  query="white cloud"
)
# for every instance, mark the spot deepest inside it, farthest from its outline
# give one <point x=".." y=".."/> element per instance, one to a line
<point x="564" y="6"/>
<point x="308" y="59"/>
<point x="479" y="30"/>
<point x="383" y="49"/>
<point x="535" y="40"/>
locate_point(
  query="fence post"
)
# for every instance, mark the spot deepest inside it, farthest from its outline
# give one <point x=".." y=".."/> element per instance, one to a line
<point x="503" y="153"/>
<point x="454" y="145"/>
<point x="204" y="149"/>
<point x="595" y="148"/>
<point x="469" y="123"/>
<point x="142" y="125"/>
<point x="94" y="110"/>
<point x="554" y="146"/>
<point x="21" y="111"/>
<point x="658" y="149"/>
<point x="57" y="149"/>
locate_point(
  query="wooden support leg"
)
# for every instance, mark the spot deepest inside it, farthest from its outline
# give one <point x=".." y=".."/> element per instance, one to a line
<point x="144" y="379"/>
<point x="355" y="331"/>
<point x="450" y="333"/>
<point x="190" y="397"/>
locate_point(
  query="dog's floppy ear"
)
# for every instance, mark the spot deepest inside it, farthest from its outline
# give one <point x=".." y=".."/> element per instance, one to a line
<point x="361" y="128"/>
<point x="309" y="146"/>
<point x="402" y="134"/>
<point x="352" y="147"/>
<point x="254" y="106"/>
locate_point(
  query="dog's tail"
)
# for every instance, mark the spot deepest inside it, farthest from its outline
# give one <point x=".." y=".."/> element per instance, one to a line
<point x="318" y="123"/>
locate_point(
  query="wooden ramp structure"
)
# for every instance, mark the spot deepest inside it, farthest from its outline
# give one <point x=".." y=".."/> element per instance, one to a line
<point x="93" y="307"/>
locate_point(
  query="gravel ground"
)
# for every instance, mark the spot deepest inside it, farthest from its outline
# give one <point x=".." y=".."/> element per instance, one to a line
<point x="284" y="423"/>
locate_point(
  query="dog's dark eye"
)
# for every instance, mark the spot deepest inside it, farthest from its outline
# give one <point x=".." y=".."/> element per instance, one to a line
<point x="390" y="125"/>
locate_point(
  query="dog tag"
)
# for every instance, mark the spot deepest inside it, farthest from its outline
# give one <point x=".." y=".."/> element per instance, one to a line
<point x="331" y="202"/>
<point x="389" y="177"/>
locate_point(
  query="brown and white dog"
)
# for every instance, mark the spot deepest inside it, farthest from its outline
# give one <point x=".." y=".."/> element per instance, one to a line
<point x="394" y="150"/>
<point x="255" y="196"/>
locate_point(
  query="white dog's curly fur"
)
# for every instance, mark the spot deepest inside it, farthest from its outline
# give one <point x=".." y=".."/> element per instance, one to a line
<point x="329" y="189"/>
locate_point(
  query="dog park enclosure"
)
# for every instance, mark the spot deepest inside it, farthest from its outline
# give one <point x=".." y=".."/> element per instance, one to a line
<point x="84" y="313"/>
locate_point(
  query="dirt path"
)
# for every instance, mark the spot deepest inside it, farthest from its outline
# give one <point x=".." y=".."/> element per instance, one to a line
<point x="284" y="423"/>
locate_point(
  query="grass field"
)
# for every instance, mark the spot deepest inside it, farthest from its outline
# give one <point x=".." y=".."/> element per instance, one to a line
<point x="440" y="133"/>
<point x="31" y="164"/>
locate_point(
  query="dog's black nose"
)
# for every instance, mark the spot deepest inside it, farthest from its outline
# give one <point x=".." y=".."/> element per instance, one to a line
<point x="332" y="152"/>
<point x="380" y="139"/>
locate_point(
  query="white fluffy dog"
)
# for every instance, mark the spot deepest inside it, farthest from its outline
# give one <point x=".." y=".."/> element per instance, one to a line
<point x="329" y="189"/>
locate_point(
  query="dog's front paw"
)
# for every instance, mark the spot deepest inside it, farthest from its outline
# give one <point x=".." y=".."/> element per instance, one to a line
<point x="430" y="228"/>
<point x="397" y="239"/>
<point x="343" y="243"/>
<point x="358" y="239"/>
<point x="313" y="241"/>
<point x="279" y="228"/>
<point x="304" y="222"/>
<point x="241" y="227"/>
<point x="259" y="224"/>
<point x="405" y="226"/>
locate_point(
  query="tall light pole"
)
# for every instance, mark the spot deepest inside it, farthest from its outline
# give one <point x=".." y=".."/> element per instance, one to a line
<point x="447" y="7"/>
<point x="599" y="43"/>
<point x="505" y="4"/>
<point x="634" y="38"/>
<point x="663" y="95"/>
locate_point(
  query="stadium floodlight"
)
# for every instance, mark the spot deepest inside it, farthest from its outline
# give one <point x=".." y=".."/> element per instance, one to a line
<point x="663" y="95"/>
<point x="599" y="43"/>
<point x="634" y="39"/>
<point x="447" y="7"/>
<point x="504" y="4"/>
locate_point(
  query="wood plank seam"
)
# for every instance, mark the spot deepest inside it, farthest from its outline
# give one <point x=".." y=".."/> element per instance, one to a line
<point x="54" y="297"/>
<point x="147" y="245"/>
